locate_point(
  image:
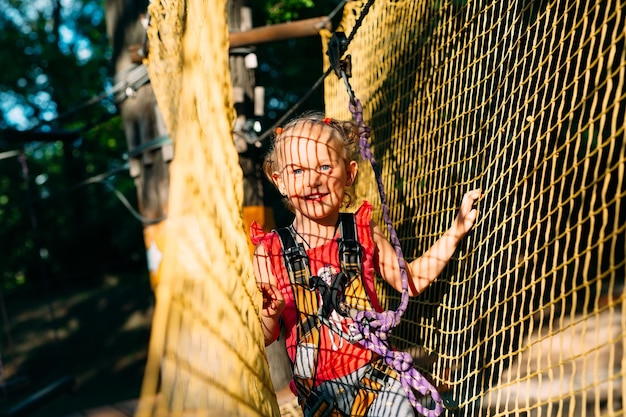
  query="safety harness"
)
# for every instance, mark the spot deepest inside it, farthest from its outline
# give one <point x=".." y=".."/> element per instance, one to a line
<point x="345" y="294"/>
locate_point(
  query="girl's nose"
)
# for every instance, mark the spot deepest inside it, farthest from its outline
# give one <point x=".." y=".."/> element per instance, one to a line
<point x="314" y="177"/>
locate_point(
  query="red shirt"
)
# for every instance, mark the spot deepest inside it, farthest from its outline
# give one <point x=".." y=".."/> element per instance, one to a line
<point x="337" y="357"/>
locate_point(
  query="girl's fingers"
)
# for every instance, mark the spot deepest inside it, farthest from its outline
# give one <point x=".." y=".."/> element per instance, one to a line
<point x="268" y="294"/>
<point x="272" y="299"/>
<point x="467" y="212"/>
<point x="470" y="198"/>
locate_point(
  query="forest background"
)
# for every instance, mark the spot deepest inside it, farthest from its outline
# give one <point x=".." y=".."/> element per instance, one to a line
<point x="75" y="296"/>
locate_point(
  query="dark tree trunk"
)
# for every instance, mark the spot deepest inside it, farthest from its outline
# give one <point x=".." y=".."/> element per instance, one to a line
<point x="149" y="146"/>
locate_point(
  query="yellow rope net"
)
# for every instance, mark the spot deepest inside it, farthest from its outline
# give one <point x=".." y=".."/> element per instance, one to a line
<point x="524" y="99"/>
<point x="206" y="354"/>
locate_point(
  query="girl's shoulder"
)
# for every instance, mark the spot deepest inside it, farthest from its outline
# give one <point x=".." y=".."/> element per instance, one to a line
<point x="363" y="214"/>
<point x="363" y="220"/>
<point x="258" y="235"/>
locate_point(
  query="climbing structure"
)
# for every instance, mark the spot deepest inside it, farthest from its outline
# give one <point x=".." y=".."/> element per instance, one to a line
<point x="206" y="353"/>
<point x="524" y="99"/>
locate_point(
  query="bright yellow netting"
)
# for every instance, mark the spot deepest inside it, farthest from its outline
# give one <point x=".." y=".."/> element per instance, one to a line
<point x="524" y="99"/>
<point x="206" y="352"/>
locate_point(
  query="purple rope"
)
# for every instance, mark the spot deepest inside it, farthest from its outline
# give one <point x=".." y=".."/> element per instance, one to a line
<point x="374" y="326"/>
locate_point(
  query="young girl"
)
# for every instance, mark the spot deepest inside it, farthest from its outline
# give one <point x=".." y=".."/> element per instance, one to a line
<point x="314" y="281"/>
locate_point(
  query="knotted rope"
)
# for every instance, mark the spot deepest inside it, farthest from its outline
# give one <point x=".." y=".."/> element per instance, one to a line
<point x="374" y="326"/>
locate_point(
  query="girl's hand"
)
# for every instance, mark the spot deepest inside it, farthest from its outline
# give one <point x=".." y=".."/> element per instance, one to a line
<point x="273" y="300"/>
<point x="467" y="215"/>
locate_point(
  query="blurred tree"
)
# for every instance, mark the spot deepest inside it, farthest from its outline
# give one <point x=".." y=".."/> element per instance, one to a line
<point x="288" y="69"/>
<point x="60" y="63"/>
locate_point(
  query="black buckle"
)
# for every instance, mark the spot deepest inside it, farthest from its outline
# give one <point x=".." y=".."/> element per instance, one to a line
<point x="337" y="46"/>
<point x="319" y="405"/>
<point x="377" y="374"/>
<point x="297" y="260"/>
<point x="350" y="251"/>
<point x="333" y="295"/>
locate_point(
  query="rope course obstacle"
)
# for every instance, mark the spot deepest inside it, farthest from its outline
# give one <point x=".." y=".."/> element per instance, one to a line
<point x="197" y="363"/>
<point x="524" y="99"/>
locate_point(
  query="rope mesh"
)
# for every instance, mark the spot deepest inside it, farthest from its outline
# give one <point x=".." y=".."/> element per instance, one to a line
<point x="526" y="101"/>
<point x="206" y="354"/>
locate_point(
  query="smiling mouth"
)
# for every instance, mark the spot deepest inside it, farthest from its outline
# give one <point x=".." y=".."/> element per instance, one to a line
<point x="314" y="197"/>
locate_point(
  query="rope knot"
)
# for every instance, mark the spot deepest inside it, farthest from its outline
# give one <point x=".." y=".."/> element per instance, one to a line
<point x="380" y="323"/>
<point x="400" y="361"/>
<point x="385" y="321"/>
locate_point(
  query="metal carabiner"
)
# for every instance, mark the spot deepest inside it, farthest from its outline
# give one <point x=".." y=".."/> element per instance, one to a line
<point x="337" y="46"/>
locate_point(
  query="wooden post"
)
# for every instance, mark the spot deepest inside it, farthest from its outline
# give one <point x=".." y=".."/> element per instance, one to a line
<point x="248" y="99"/>
<point x="149" y="147"/>
<point x="279" y="32"/>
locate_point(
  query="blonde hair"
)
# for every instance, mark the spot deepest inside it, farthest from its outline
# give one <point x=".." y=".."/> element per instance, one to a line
<point x="345" y="132"/>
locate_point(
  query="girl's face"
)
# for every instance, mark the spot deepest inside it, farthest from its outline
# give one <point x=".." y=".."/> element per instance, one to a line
<point x="313" y="171"/>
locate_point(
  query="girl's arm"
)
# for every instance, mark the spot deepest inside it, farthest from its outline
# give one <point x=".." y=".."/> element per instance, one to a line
<point x="425" y="269"/>
<point x="273" y="300"/>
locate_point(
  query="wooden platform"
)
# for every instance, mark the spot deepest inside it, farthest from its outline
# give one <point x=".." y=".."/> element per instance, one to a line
<point x="286" y="401"/>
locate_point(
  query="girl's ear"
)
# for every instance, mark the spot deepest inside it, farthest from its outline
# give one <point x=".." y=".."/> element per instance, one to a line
<point x="278" y="182"/>
<point x="352" y="170"/>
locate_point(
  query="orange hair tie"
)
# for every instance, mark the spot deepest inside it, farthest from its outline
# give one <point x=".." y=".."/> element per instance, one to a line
<point x="327" y="120"/>
<point x="279" y="130"/>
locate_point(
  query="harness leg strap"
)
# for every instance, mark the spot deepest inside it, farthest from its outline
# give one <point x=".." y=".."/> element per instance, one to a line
<point x="365" y="396"/>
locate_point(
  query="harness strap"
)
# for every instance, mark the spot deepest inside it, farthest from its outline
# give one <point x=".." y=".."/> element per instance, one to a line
<point x="294" y="255"/>
<point x="374" y="379"/>
<point x="350" y="255"/>
<point x="365" y="397"/>
<point x="345" y="294"/>
<point x="308" y="325"/>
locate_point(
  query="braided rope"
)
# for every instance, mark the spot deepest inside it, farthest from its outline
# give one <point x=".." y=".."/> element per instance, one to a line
<point x="374" y="326"/>
<point x="364" y="10"/>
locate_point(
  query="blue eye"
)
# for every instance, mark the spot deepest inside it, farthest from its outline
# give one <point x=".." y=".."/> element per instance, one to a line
<point x="325" y="168"/>
<point x="297" y="171"/>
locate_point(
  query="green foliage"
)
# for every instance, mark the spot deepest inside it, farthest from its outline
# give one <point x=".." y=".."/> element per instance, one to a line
<point x="56" y="60"/>
<point x="57" y="224"/>
<point x="286" y="10"/>
<point x="288" y="69"/>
